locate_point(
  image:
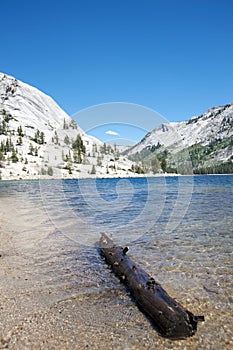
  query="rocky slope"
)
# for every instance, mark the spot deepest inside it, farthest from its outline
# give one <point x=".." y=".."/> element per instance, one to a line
<point x="38" y="139"/>
<point x="206" y="141"/>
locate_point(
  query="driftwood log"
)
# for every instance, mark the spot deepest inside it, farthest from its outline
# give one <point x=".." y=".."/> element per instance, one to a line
<point x="170" y="318"/>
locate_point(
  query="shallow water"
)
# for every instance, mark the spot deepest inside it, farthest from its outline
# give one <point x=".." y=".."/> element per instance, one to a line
<point x="178" y="228"/>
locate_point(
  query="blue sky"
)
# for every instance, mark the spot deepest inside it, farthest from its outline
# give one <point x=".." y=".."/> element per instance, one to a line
<point x="172" y="56"/>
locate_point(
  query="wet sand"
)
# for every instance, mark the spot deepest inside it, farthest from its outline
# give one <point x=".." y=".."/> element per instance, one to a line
<point x="48" y="299"/>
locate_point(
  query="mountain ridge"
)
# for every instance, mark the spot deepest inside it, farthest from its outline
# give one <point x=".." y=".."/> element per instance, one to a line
<point x="39" y="140"/>
<point x="208" y="135"/>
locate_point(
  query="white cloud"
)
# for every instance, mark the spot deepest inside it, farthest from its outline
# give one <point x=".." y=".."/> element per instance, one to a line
<point x="110" y="132"/>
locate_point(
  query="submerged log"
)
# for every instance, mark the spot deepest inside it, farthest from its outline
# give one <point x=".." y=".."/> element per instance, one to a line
<point x="171" y="319"/>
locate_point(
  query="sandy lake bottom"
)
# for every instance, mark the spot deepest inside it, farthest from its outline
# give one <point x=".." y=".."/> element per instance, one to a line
<point x="57" y="293"/>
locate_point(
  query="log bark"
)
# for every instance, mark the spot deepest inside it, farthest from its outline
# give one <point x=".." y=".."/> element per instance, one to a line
<point x="171" y="319"/>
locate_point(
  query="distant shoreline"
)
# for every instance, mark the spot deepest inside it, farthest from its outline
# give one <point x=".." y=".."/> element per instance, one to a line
<point x="46" y="178"/>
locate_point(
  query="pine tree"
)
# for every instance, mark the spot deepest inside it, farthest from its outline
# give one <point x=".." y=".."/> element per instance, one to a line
<point x="79" y="149"/>
<point x="77" y="156"/>
<point x="93" y="170"/>
<point x="164" y="164"/>
<point x="3" y="128"/>
<point x="55" y="138"/>
<point x="42" y="138"/>
<point x="14" y="157"/>
<point x="94" y="149"/>
<point x="31" y="149"/>
<point x="67" y="140"/>
<point x="78" y="144"/>
<point x="20" y="131"/>
<point x="50" y="171"/>
<point x="65" y="124"/>
<point x="43" y="171"/>
<point x="155" y="165"/>
<point x="99" y="161"/>
<point x="7" y="145"/>
<point x="20" y="141"/>
<point x="39" y="137"/>
<point x="2" y="158"/>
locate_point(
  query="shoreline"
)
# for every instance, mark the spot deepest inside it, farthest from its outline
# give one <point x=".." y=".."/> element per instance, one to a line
<point x="84" y="177"/>
<point x="135" y="176"/>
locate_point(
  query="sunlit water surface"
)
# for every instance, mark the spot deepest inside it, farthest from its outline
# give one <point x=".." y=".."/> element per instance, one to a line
<point x="178" y="228"/>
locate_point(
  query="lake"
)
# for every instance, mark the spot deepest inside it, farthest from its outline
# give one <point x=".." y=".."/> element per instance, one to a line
<point x="178" y="228"/>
